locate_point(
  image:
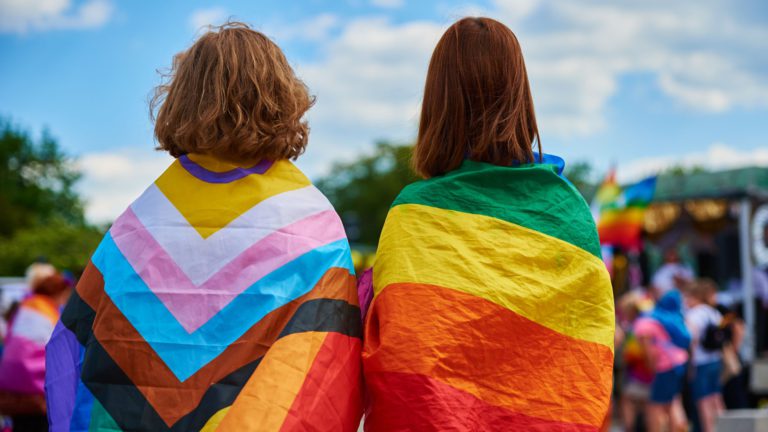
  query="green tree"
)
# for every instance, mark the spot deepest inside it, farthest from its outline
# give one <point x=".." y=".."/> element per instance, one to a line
<point x="41" y="215"/>
<point x="36" y="182"/>
<point x="363" y="190"/>
<point x="63" y="244"/>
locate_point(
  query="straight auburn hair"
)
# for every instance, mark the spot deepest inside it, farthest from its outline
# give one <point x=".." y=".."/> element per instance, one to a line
<point x="477" y="101"/>
<point x="232" y="94"/>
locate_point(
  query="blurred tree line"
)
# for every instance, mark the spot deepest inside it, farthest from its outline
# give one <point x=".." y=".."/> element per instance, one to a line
<point x="362" y="190"/>
<point x="41" y="214"/>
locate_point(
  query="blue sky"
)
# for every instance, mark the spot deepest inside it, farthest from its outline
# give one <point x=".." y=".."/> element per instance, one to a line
<point x="644" y="85"/>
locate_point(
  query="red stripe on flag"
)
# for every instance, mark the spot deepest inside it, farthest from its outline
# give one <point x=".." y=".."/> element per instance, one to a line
<point x="331" y="397"/>
<point x="416" y="402"/>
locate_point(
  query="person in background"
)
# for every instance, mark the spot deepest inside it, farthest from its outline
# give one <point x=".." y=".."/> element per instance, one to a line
<point x="22" y="367"/>
<point x="671" y="275"/>
<point x="760" y="283"/>
<point x="704" y="323"/>
<point x="637" y="375"/>
<point x="735" y="381"/>
<point x="665" y="339"/>
<point x="36" y="272"/>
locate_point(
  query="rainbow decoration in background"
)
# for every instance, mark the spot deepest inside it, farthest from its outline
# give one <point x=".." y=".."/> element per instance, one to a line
<point x="492" y="309"/>
<point x="223" y="298"/>
<point x="619" y="213"/>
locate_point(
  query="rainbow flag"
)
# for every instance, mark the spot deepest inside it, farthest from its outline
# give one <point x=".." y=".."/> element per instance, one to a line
<point x="222" y="299"/>
<point x="622" y="211"/>
<point x="492" y="309"/>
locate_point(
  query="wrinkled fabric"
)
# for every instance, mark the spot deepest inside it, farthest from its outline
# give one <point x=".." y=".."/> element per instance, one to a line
<point x="492" y="309"/>
<point x="223" y="298"/>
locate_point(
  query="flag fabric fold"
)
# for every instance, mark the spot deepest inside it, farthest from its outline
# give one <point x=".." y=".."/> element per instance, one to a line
<point x="492" y="309"/>
<point x="223" y="298"/>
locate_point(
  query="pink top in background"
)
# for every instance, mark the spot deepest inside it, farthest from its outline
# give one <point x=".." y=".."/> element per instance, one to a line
<point x="666" y="354"/>
<point x="22" y="367"/>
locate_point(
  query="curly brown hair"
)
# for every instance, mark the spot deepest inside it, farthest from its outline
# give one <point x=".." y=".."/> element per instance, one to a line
<point x="232" y="94"/>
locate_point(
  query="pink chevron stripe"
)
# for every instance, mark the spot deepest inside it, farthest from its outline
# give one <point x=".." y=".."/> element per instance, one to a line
<point x="194" y="305"/>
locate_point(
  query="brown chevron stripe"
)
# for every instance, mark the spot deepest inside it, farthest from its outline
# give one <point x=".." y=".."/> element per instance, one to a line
<point x="171" y="398"/>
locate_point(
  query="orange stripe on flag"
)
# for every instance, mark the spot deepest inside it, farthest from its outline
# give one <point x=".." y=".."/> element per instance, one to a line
<point x="486" y="350"/>
<point x="320" y="405"/>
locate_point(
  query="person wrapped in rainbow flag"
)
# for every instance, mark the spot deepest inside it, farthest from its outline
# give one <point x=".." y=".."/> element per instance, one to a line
<point x="224" y="297"/>
<point x="492" y="309"/>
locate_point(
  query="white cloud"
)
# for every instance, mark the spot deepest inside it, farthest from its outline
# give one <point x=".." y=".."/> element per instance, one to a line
<point x="22" y="16"/>
<point x="390" y="4"/>
<point x="717" y="157"/>
<point x="368" y="86"/>
<point x="207" y="17"/>
<point x="113" y="179"/>
<point x="516" y="10"/>
<point x="700" y="53"/>
<point x="314" y="29"/>
<point x="370" y="74"/>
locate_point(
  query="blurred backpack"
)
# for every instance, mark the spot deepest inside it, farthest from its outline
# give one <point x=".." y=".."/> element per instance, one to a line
<point x="716" y="336"/>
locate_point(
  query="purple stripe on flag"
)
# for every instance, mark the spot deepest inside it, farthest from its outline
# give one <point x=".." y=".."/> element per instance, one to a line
<point x="62" y="376"/>
<point x="209" y="176"/>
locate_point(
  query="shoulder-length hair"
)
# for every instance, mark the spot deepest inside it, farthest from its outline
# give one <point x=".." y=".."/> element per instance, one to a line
<point x="232" y="94"/>
<point x="477" y="101"/>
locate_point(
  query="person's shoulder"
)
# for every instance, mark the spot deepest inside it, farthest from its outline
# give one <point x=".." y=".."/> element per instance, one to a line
<point x="714" y="313"/>
<point x="696" y="313"/>
<point x="535" y="197"/>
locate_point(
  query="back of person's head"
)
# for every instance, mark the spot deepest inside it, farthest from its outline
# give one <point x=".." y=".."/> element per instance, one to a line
<point x="37" y="272"/>
<point x="701" y="290"/>
<point x="671" y="256"/>
<point x="232" y="94"/>
<point x="477" y="100"/>
<point x="52" y="286"/>
<point x="671" y="301"/>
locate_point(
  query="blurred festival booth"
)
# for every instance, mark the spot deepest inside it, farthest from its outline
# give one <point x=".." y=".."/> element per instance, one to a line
<point x="716" y="221"/>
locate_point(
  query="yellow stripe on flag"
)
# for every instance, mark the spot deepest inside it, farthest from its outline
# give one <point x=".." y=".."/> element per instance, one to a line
<point x="213" y="423"/>
<point x="507" y="264"/>
<point x="264" y="401"/>
<point x="213" y="206"/>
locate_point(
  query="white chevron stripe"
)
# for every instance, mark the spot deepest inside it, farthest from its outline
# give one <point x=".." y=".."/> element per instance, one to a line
<point x="201" y="258"/>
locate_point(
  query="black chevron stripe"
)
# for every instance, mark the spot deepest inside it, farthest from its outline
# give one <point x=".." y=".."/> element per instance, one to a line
<point x="128" y="407"/>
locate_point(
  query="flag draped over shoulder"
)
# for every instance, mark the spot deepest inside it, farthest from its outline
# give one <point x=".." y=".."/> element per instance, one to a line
<point x="223" y="298"/>
<point x="492" y="309"/>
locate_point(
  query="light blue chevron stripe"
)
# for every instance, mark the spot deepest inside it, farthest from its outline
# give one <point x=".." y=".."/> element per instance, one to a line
<point x="185" y="353"/>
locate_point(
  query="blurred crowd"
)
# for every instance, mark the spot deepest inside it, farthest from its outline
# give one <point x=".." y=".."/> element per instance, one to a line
<point x="678" y="357"/>
<point x="26" y="326"/>
<point x="678" y="343"/>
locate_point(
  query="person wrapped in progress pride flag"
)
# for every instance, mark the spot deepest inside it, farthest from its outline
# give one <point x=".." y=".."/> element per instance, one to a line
<point x="224" y="297"/>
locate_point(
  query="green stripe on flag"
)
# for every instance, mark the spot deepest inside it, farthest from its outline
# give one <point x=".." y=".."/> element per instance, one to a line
<point x="532" y="196"/>
<point x="101" y="420"/>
